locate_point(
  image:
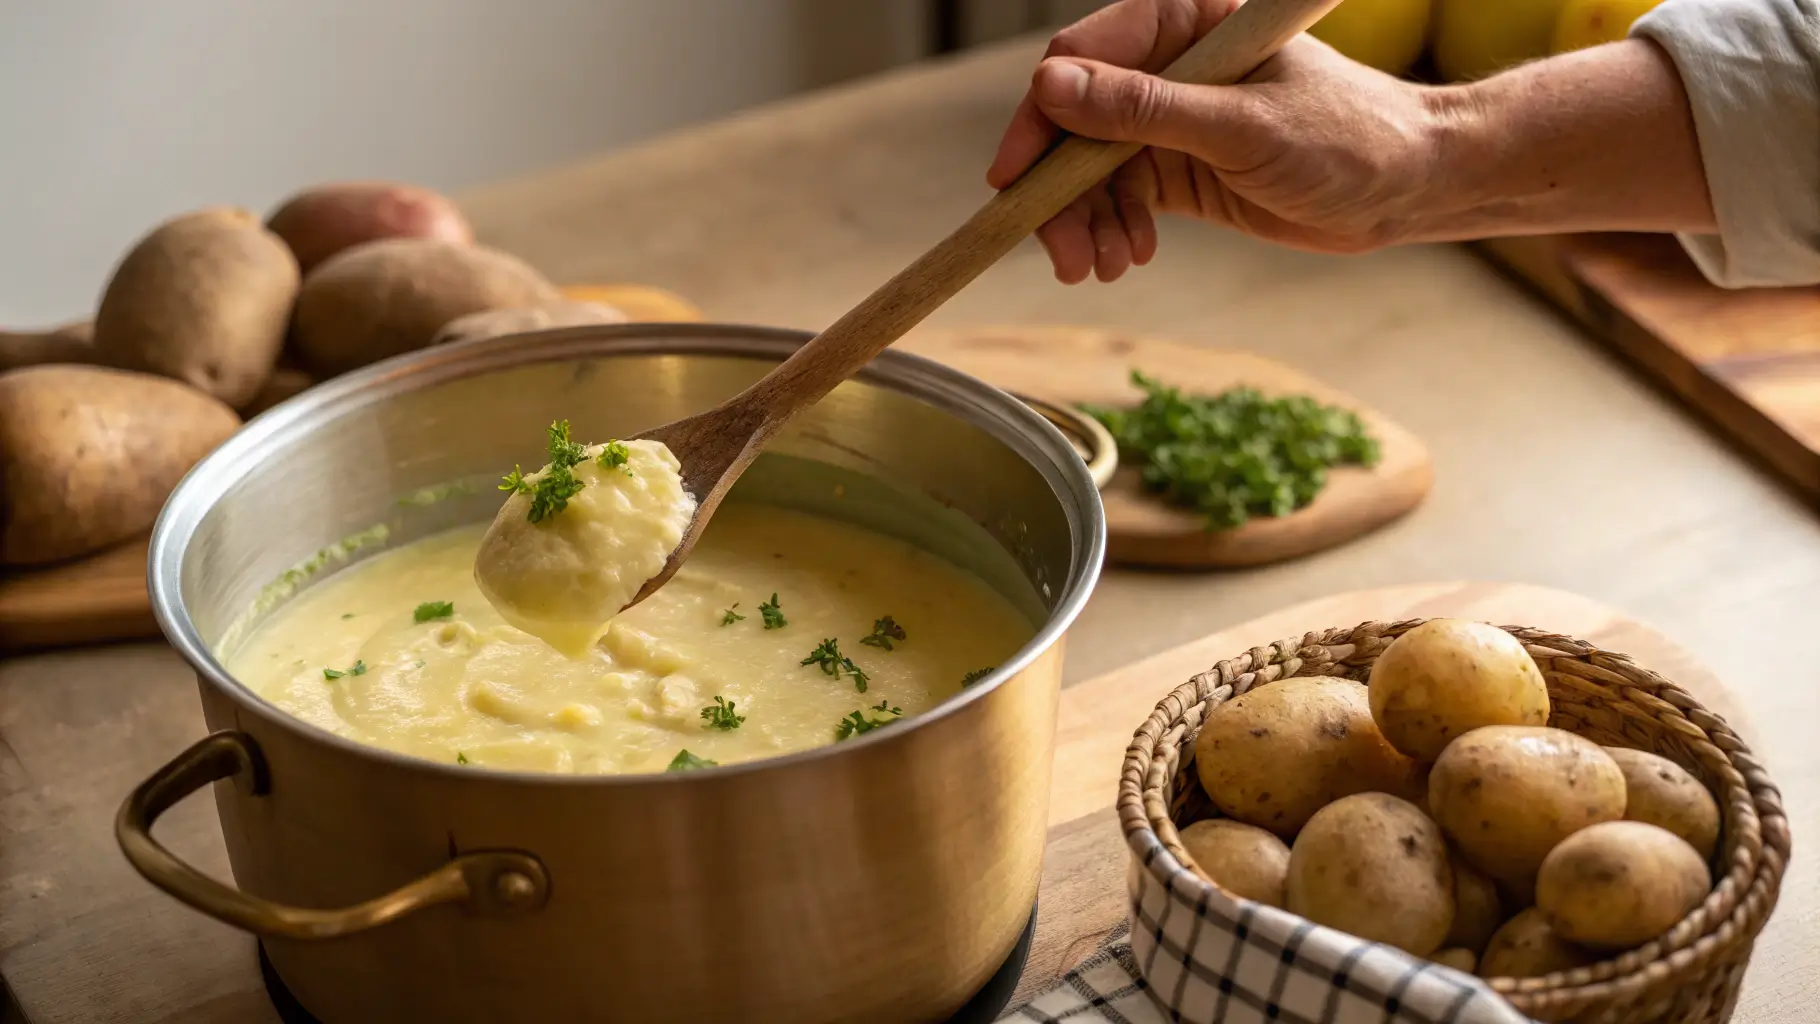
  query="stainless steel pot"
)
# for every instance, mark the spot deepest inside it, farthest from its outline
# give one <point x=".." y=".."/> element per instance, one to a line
<point x="881" y="879"/>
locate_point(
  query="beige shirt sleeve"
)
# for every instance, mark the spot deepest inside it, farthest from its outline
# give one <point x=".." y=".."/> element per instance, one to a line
<point x="1752" y="72"/>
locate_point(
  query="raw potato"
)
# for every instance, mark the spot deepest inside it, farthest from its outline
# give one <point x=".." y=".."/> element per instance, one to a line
<point x="1506" y="794"/>
<point x="319" y="222"/>
<point x="88" y="455"/>
<point x="1527" y="948"/>
<point x="1276" y="754"/>
<point x="493" y="323"/>
<point x="1619" y="884"/>
<point x="640" y="303"/>
<point x="1462" y="960"/>
<point x="1447" y="677"/>
<point x="204" y="298"/>
<point x="70" y="343"/>
<point x="1376" y="867"/>
<point x="284" y="382"/>
<point x="383" y="298"/>
<point x="1242" y="859"/>
<point x="1664" y="793"/>
<point x="1477" y="909"/>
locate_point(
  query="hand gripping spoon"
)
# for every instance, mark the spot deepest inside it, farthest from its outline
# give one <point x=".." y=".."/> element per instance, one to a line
<point x="714" y="447"/>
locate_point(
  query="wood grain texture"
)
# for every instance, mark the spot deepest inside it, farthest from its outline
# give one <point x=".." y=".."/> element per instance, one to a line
<point x="1749" y="360"/>
<point x="102" y="597"/>
<point x="84" y="939"/>
<point x="1071" y="365"/>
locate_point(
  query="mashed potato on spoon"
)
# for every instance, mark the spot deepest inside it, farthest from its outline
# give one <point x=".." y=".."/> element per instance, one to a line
<point x="576" y="540"/>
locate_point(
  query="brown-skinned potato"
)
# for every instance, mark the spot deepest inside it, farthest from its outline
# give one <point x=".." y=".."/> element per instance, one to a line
<point x="284" y="382"/>
<point x="384" y="298"/>
<point x="1665" y="794"/>
<point x="493" y="323"/>
<point x="70" y="343"/>
<point x="321" y="221"/>
<point x="1526" y="947"/>
<point x="204" y="298"/>
<point x="89" y="454"/>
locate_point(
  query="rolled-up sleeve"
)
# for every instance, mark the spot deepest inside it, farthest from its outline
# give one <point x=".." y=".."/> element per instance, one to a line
<point x="1752" y="73"/>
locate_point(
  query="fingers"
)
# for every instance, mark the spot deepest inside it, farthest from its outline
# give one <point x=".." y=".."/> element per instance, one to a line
<point x="1111" y="245"/>
<point x="1120" y="105"/>
<point x="1144" y="34"/>
<point x="1068" y="238"/>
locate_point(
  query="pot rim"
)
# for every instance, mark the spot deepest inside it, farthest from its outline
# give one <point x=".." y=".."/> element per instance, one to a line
<point x="948" y="389"/>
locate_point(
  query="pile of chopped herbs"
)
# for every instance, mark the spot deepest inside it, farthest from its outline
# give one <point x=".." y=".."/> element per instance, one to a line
<point x="1237" y="454"/>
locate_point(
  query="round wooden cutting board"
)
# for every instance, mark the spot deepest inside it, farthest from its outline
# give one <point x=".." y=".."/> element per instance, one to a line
<point x="1071" y="365"/>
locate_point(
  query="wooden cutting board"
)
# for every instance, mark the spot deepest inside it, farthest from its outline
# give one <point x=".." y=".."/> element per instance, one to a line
<point x="1748" y="360"/>
<point x="82" y="938"/>
<point x="103" y="597"/>
<point x="1072" y="365"/>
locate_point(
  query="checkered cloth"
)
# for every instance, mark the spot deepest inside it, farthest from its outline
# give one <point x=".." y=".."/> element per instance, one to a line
<point x="1195" y="954"/>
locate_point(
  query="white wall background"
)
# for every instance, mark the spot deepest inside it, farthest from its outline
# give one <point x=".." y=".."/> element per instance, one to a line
<point x="117" y="113"/>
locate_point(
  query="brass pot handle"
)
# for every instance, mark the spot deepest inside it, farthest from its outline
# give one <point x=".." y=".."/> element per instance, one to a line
<point x="1088" y="436"/>
<point x="495" y="883"/>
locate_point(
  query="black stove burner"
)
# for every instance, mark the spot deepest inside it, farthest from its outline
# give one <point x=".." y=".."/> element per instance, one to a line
<point x="985" y="1006"/>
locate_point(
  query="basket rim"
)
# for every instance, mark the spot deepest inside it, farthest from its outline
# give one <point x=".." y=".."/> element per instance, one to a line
<point x="1756" y="843"/>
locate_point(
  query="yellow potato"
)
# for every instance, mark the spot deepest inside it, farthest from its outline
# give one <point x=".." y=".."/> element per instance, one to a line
<point x="1619" y="884"/>
<point x="1663" y="793"/>
<point x="204" y="298"/>
<point x="1525" y="947"/>
<point x="1275" y="755"/>
<point x="1462" y="960"/>
<point x="1477" y="909"/>
<point x="1447" y="677"/>
<point x="1506" y="794"/>
<point x="319" y="222"/>
<point x="88" y="455"/>
<point x="1242" y="859"/>
<point x="1376" y="867"/>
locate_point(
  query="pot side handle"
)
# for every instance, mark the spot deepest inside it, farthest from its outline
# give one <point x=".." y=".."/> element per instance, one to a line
<point x="491" y="883"/>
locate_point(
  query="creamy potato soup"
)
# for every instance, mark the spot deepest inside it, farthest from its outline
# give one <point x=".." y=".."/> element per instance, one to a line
<point x="783" y="631"/>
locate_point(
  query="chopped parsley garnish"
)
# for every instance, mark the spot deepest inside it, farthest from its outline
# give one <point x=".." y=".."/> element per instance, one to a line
<point x="832" y="662"/>
<point x="359" y="668"/>
<point x="1237" y="454"/>
<point x="857" y="723"/>
<point x="976" y="675"/>
<point x="615" y="456"/>
<point x="417" y="664"/>
<point x="884" y="631"/>
<point x="720" y="715"/>
<point x="729" y="617"/>
<point x="687" y="762"/>
<point x="461" y="758"/>
<point x="772" y="614"/>
<point x="551" y="492"/>
<point x="432" y="610"/>
<point x="347" y="615"/>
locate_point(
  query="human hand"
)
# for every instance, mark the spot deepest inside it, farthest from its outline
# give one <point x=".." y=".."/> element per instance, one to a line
<point x="1313" y="151"/>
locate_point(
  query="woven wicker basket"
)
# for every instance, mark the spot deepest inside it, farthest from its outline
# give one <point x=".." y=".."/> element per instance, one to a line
<point x="1691" y="974"/>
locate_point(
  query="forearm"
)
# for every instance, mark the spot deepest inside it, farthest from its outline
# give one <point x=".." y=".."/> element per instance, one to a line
<point x="1598" y="140"/>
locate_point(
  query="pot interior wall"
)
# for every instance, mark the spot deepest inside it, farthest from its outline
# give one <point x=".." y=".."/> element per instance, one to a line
<point x="338" y="476"/>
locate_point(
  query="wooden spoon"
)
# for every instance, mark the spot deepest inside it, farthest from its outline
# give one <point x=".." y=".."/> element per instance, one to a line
<point x="716" y="446"/>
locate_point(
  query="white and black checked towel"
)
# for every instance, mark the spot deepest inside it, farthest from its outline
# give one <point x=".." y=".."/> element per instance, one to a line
<point x="1198" y="955"/>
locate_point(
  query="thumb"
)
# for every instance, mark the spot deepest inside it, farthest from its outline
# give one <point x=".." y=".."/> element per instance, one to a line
<point x="1117" y="104"/>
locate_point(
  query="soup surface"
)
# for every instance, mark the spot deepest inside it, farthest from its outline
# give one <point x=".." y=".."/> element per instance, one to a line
<point x="402" y="652"/>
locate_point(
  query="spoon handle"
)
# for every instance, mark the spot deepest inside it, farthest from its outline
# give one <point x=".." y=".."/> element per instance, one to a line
<point x="1246" y="38"/>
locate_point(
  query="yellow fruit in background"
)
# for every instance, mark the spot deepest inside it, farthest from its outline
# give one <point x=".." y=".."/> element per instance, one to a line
<point x="1384" y="34"/>
<point x="1476" y="38"/>
<point x="1584" y="23"/>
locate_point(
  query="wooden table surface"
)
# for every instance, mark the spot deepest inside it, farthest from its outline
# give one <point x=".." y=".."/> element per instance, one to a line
<point x="1553" y="464"/>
